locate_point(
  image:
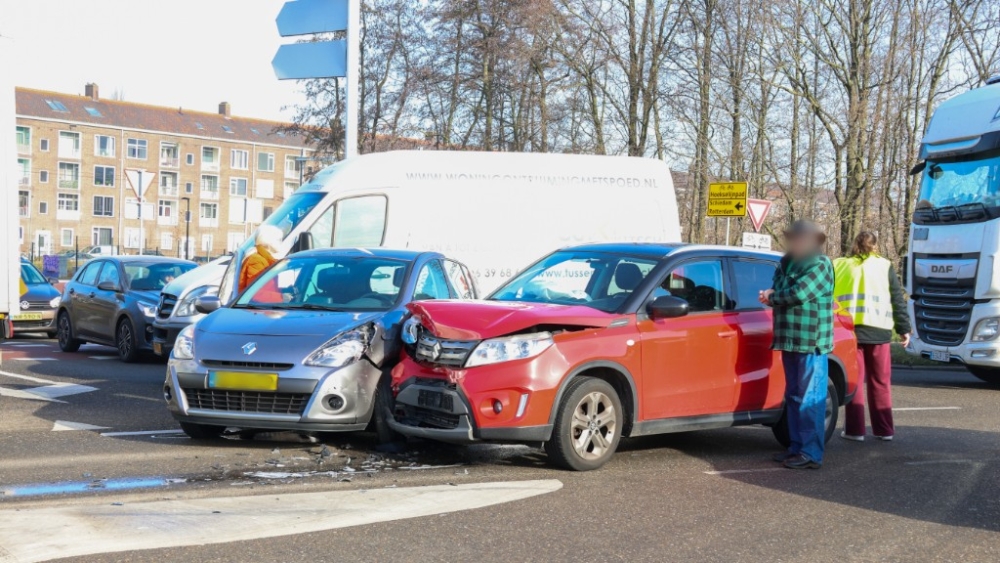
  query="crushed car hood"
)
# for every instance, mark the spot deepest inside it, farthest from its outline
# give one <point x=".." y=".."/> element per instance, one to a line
<point x="476" y="320"/>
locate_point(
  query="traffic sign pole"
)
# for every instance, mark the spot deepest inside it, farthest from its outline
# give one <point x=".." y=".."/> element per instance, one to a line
<point x="352" y="88"/>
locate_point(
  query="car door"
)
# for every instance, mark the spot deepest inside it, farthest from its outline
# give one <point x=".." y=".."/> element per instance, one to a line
<point x="688" y="362"/>
<point x="80" y="293"/>
<point x="106" y="301"/>
<point x="758" y="373"/>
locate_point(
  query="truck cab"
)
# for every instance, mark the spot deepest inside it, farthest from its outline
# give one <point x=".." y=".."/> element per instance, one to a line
<point x="954" y="252"/>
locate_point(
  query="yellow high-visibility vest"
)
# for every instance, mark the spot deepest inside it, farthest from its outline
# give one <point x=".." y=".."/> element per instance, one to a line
<point x="861" y="287"/>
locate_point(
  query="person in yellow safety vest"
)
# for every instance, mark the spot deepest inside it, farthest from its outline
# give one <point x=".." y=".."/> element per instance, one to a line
<point x="866" y="286"/>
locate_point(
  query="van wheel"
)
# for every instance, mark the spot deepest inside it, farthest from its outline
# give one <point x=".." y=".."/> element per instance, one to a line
<point x="64" y="331"/>
<point x="126" y="342"/>
<point x="588" y="425"/>
<point x="202" y="431"/>
<point x="832" y="416"/>
<point x="381" y="411"/>
<point x="989" y="375"/>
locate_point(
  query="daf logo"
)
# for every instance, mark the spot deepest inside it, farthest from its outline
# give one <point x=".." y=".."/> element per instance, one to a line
<point x="249" y="348"/>
<point x="25" y="305"/>
<point x="436" y="350"/>
<point x="942" y="269"/>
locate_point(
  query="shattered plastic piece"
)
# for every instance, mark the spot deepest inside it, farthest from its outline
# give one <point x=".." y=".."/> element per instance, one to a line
<point x="422" y="467"/>
<point x="276" y="451"/>
<point x="325" y="452"/>
<point x="349" y="469"/>
<point x="462" y="472"/>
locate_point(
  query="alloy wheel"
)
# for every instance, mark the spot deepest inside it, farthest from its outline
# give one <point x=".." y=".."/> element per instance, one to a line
<point x="595" y="425"/>
<point x="64" y="330"/>
<point x="124" y="340"/>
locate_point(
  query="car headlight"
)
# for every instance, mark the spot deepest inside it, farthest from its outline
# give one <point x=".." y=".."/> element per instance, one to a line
<point x="55" y="301"/>
<point x="342" y="350"/>
<point x="411" y="330"/>
<point x="986" y="329"/>
<point x="148" y="309"/>
<point x="508" y="348"/>
<point x="186" y="307"/>
<point x="184" y="345"/>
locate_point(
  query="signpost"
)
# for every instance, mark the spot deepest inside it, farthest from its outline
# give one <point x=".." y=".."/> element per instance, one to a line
<point x="139" y="181"/>
<point x="324" y="59"/>
<point x="758" y="209"/>
<point x="727" y="199"/>
<point x="757" y="241"/>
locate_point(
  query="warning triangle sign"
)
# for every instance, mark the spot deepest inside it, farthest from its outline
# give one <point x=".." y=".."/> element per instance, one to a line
<point x="139" y="180"/>
<point x="757" y="209"/>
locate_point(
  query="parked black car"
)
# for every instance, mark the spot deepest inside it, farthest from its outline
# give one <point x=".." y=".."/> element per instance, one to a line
<point x="112" y="301"/>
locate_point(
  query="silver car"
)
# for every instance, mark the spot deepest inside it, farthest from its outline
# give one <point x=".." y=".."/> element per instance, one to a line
<point x="308" y="346"/>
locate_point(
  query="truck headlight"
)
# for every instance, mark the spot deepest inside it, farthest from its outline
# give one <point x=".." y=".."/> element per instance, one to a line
<point x="986" y="329"/>
<point x="508" y="348"/>
<point x="411" y="330"/>
<point x="184" y="345"/>
<point x="341" y="350"/>
<point x="56" y="301"/>
<point x="186" y="307"/>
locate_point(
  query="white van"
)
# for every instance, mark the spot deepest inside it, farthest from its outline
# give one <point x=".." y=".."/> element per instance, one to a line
<point x="496" y="212"/>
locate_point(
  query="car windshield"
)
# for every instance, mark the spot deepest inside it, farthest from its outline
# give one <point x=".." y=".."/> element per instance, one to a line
<point x="599" y="280"/>
<point x="154" y="276"/>
<point x="973" y="179"/>
<point x="332" y="283"/>
<point x="31" y="276"/>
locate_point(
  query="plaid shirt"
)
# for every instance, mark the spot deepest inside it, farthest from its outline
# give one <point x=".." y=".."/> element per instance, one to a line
<point x="803" y="305"/>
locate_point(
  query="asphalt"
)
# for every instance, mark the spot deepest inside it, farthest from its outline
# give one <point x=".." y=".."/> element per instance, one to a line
<point x="933" y="494"/>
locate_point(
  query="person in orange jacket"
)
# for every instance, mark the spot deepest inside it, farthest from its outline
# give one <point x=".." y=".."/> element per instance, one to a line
<point x="266" y="244"/>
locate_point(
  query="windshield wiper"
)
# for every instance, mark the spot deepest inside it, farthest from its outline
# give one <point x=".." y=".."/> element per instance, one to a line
<point x="304" y="307"/>
<point x="976" y="210"/>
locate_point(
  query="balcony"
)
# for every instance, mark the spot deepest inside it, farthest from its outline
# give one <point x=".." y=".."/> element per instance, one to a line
<point x="210" y="195"/>
<point x="23" y="148"/>
<point x="69" y="184"/>
<point x="169" y="190"/>
<point x="169" y="161"/>
<point x="24" y="181"/>
<point x="206" y="222"/>
<point x="169" y="221"/>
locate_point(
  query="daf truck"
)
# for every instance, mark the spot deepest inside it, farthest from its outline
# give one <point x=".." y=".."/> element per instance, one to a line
<point x="954" y="253"/>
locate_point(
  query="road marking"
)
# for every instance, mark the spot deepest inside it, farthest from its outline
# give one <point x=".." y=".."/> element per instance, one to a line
<point x="19" y="394"/>
<point x="63" y="425"/>
<point x="140" y="433"/>
<point x="939" y="462"/>
<point x="103" y="357"/>
<point x="50" y="392"/>
<point x="60" y="390"/>
<point x="33" y="359"/>
<point x="735" y="471"/>
<point x="927" y="409"/>
<point x="19" y="345"/>
<point x="27" y="378"/>
<point x="69" y="487"/>
<point x="40" y="534"/>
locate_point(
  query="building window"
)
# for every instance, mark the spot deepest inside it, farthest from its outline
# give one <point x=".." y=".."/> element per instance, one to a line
<point x="69" y="176"/>
<point x="23" y="139"/>
<point x="104" y="146"/>
<point x="56" y="106"/>
<point x="189" y="188"/>
<point x="290" y="188"/>
<point x="238" y="187"/>
<point x="209" y="186"/>
<point x="265" y="161"/>
<point x="190" y="158"/>
<point x="166" y="241"/>
<point x="66" y="238"/>
<point x="233" y="241"/>
<point x="23" y="203"/>
<point x="69" y="144"/>
<point x="43" y="176"/>
<point x="167" y="212"/>
<point x="209" y="158"/>
<point x="104" y="176"/>
<point x="170" y="156"/>
<point x="43" y="208"/>
<point x="168" y="184"/>
<point x="136" y="149"/>
<point x="292" y="167"/>
<point x="207" y="243"/>
<point x="208" y="215"/>
<point x="24" y="171"/>
<point x="239" y="159"/>
<point x="104" y="206"/>
<point x="43" y="145"/>
<point x="103" y="236"/>
<point x="68" y="207"/>
<point x="93" y="112"/>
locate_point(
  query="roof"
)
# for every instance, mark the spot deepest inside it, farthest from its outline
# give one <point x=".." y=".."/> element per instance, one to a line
<point x="657" y="250"/>
<point x="145" y="259"/>
<point x="407" y="255"/>
<point x="131" y="115"/>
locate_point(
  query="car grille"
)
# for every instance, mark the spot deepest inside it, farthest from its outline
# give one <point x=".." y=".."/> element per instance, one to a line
<point x="167" y="304"/>
<point x="39" y="306"/>
<point x="246" y="401"/>
<point x="943" y="310"/>
<point x="451" y="353"/>
<point x="269" y="366"/>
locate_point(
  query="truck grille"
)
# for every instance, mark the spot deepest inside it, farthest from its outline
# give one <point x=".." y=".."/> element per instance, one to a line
<point x="246" y="401"/>
<point x="451" y="353"/>
<point x="943" y="310"/>
<point x="167" y="304"/>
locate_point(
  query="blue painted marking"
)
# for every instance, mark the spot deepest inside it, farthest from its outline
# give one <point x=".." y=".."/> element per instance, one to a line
<point x="302" y="61"/>
<point x="70" y="487"/>
<point x="303" y="17"/>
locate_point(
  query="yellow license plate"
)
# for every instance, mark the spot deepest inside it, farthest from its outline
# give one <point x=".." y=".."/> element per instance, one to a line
<point x="242" y="381"/>
<point x="28" y="317"/>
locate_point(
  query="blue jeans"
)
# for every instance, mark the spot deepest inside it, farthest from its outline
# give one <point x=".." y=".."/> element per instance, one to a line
<point x="805" y="402"/>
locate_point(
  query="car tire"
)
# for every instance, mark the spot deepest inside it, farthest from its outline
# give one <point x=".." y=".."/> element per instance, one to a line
<point x="832" y="417"/>
<point x="126" y="341"/>
<point x="989" y="375"/>
<point x="382" y="411"/>
<point x="588" y="425"/>
<point x="202" y="431"/>
<point x="64" y="331"/>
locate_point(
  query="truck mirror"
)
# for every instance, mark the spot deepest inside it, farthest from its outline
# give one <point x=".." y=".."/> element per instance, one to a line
<point x="303" y="243"/>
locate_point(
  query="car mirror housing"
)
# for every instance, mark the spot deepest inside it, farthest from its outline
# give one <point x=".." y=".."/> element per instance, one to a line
<point x="207" y="304"/>
<point x="667" y="307"/>
<point x="108" y="286"/>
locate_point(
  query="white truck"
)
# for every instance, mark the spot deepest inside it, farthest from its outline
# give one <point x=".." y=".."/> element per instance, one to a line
<point x="10" y="269"/>
<point x="496" y="212"/>
<point x="953" y="270"/>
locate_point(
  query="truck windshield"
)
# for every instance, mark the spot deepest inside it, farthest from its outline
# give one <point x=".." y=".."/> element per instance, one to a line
<point x="962" y="181"/>
<point x="290" y="213"/>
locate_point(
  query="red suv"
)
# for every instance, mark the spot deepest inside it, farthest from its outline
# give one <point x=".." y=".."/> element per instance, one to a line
<point x="597" y="342"/>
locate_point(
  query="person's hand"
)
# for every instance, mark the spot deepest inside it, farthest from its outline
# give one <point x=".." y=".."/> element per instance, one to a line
<point x="905" y="340"/>
<point x="765" y="296"/>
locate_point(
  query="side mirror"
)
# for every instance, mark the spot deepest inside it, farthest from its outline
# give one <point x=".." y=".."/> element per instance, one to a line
<point x="108" y="286"/>
<point x="303" y="243"/>
<point x="667" y="307"/>
<point x="53" y="281"/>
<point x="207" y="304"/>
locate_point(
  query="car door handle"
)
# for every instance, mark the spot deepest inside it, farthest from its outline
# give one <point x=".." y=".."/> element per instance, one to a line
<point x="727" y="334"/>
<point x="72" y="291"/>
<point x="92" y="295"/>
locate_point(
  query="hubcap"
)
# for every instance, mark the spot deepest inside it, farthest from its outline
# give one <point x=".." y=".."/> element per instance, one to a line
<point x="595" y="424"/>
<point x="124" y="340"/>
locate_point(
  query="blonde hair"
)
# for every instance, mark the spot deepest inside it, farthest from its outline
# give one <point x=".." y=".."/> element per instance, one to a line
<point x="269" y="237"/>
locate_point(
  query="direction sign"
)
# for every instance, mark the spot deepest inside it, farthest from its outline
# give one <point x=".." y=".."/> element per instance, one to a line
<point x="303" y="17"/>
<point x="757" y="241"/>
<point x="302" y="61"/>
<point x="727" y="199"/>
<point x="757" y="209"/>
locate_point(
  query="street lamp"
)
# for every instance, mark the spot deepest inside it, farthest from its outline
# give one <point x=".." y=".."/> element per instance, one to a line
<point x="187" y="226"/>
<point x="301" y="161"/>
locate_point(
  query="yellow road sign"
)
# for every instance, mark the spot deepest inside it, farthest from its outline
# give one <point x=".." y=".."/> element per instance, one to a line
<point x="727" y="199"/>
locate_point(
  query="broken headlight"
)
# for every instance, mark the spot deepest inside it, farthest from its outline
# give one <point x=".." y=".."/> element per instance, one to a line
<point x="342" y="350"/>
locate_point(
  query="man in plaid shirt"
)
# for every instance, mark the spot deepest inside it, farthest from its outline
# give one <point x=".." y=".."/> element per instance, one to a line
<point x="802" y="299"/>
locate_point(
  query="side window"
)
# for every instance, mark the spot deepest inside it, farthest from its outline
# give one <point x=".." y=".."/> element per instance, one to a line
<point x="431" y="283"/>
<point x="386" y="280"/>
<point x="752" y="277"/>
<point x="110" y="274"/>
<point x="700" y="284"/>
<point x="461" y="283"/>
<point x="89" y="274"/>
<point x="360" y="222"/>
<point x="322" y="230"/>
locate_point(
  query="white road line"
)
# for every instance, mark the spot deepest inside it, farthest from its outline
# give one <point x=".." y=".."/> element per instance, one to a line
<point x="19" y="345"/>
<point x="939" y="462"/>
<point x="20" y="394"/>
<point x="141" y="433"/>
<point x="64" y="425"/>
<point x="735" y="471"/>
<point x="76" y="530"/>
<point x="927" y="409"/>
<point x="31" y="359"/>
<point x="27" y="378"/>
<point x="103" y="357"/>
<point x="60" y="390"/>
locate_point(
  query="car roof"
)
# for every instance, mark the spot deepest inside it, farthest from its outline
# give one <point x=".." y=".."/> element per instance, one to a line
<point x="657" y="250"/>
<point x="407" y="255"/>
<point x="144" y="259"/>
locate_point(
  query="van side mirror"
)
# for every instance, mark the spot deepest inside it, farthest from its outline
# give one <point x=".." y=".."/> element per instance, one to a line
<point x="108" y="286"/>
<point x="667" y="307"/>
<point x="207" y="304"/>
<point x="303" y="243"/>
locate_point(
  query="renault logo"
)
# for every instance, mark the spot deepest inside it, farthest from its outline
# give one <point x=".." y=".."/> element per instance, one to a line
<point x="249" y="348"/>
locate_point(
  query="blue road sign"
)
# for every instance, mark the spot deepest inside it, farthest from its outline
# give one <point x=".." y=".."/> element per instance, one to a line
<point x="302" y="17"/>
<point x="302" y="61"/>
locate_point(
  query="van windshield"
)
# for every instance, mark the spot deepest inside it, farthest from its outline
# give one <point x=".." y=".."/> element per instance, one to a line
<point x="289" y="214"/>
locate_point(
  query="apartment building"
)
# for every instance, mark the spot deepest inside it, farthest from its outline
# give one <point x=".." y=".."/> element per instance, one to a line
<point x="85" y="161"/>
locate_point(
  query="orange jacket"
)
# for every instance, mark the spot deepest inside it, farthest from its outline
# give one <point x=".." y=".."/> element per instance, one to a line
<point x="253" y="265"/>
